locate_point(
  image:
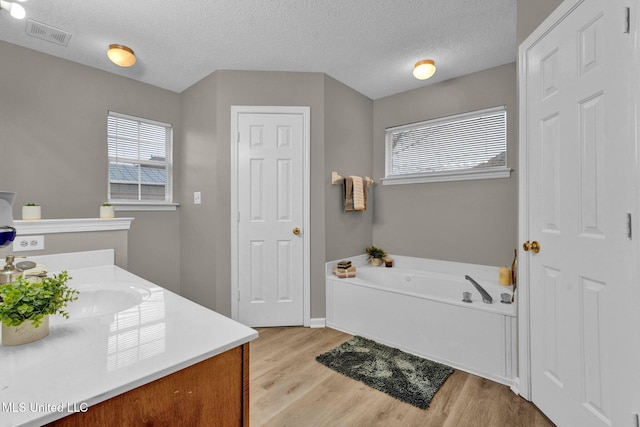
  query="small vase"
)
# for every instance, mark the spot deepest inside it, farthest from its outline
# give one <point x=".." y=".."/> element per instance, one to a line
<point x="376" y="262"/>
<point x="107" y="212"/>
<point x="31" y="212"/>
<point x="25" y="332"/>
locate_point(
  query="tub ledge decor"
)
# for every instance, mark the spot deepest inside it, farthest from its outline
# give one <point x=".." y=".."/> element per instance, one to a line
<point x="375" y="255"/>
<point x="28" y="302"/>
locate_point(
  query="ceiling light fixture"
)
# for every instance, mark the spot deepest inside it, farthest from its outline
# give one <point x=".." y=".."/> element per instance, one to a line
<point x="14" y="9"/>
<point x="424" y="69"/>
<point x="121" y="55"/>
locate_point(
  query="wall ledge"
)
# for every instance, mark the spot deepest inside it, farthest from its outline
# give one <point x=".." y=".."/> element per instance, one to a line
<point x="48" y="226"/>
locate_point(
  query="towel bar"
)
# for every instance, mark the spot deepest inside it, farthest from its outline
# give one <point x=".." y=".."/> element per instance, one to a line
<point x="337" y="179"/>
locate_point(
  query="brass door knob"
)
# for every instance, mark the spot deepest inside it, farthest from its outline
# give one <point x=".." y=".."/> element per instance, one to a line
<point x="531" y="246"/>
<point x="296" y="231"/>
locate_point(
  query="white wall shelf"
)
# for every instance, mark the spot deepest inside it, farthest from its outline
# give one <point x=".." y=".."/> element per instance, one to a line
<point x="47" y="226"/>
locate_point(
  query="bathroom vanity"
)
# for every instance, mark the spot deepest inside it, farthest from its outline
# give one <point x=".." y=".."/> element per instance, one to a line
<point x="132" y="353"/>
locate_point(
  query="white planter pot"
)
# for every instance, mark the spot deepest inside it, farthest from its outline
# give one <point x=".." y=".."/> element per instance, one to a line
<point x="31" y="212"/>
<point x="24" y="333"/>
<point x="107" y="212"/>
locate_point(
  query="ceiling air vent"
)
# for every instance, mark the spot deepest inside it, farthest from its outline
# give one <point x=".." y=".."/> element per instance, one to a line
<point x="47" y="32"/>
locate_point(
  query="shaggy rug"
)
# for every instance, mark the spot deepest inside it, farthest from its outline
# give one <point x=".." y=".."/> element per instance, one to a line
<point x="406" y="377"/>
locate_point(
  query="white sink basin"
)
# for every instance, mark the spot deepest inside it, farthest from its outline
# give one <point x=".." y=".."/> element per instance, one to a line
<point x="98" y="299"/>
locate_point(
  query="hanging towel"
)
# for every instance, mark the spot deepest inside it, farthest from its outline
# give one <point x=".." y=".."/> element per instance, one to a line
<point x="348" y="194"/>
<point x="359" y="201"/>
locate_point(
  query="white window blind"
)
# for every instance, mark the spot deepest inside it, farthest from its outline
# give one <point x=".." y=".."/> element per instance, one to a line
<point x="464" y="146"/>
<point x="140" y="159"/>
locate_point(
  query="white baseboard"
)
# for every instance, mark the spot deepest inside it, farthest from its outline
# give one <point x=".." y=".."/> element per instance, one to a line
<point x="317" y="323"/>
<point x="515" y="387"/>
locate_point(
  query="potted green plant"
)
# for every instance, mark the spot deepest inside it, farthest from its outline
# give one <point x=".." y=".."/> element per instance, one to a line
<point x="31" y="211"/>
<point x="375" y="255"/>
<point x="107" y="211"/>
<point x="27" y="303"/>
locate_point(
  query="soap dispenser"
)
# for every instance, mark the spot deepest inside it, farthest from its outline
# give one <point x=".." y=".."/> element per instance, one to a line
<point x="10" y="272"/>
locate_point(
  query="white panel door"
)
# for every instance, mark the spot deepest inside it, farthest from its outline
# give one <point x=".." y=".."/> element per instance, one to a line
<point x="270" y="207"/>
<point x="579" y="150"/>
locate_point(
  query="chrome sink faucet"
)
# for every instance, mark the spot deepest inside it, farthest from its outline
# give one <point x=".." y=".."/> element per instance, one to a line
<point x="486" y="298"/>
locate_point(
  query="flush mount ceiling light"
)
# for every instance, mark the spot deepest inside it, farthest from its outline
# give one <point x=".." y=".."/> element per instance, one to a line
<point x="14" y="9"/>
<point x="424" y="69"/>
<point x="121" y="55"/>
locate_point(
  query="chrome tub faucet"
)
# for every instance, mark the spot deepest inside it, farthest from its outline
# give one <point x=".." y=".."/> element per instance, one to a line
<point x="486" y="298"/>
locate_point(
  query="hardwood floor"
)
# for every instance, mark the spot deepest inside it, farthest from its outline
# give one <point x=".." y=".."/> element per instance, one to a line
<point x="289" y="388"/>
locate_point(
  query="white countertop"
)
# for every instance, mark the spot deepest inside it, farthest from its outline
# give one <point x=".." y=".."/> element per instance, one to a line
<point x="87" y="360"/>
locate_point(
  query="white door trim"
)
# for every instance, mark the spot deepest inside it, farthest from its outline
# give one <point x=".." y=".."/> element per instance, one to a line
<point x="522" y="384"/>
<point x="306" y="226"/>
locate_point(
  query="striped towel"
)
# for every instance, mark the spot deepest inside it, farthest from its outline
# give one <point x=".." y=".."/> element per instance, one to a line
<point x="359" y="201"/>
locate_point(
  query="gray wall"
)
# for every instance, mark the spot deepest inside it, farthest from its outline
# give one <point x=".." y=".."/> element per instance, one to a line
<point x="464" y="221"/>
<point x="53" y="140"/>
<point x="271" y="88"/>
<point x="341" y="126"/>
<point x="473" y="221"/>
<point x="53" y="113"/>
<point x="206" y="162"/>
<point x="530" y="14"/>
<point x="199" y="165"/>
<point x="348" y="137"/>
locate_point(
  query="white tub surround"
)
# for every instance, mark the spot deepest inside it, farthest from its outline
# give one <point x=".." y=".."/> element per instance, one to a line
<point x="91" y="358"/>
<point x="417" y="306"/>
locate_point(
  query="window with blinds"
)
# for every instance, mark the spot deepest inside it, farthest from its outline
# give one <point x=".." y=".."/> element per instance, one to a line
<point x="465" y="146"/>
<point x="140" y="151"/>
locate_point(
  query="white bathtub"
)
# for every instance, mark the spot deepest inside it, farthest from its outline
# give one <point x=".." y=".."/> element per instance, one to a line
<point x="417" y="306"/>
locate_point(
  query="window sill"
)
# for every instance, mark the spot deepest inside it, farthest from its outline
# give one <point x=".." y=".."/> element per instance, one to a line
<point x="143" y="206"/>
<point x="447" y="176"/>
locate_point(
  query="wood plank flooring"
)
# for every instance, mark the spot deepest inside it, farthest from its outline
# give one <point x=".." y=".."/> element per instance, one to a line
<point x="289" y="388"/>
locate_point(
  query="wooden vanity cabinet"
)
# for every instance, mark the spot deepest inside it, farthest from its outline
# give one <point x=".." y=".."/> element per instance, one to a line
<point x="214" y="392"/>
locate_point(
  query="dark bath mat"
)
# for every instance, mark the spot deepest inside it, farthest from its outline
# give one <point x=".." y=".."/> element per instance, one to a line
<point x="406" y="377"/>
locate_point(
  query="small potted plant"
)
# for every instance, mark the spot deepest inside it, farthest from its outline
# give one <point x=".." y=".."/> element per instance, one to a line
<point x="107" y="211"/>
<point x="31" y="211"/>
<point x="27" y="303"/>
<point x="375" y="255"/>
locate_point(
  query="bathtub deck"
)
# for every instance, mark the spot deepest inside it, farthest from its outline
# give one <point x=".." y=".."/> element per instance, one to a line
<point x="289" y="388"/>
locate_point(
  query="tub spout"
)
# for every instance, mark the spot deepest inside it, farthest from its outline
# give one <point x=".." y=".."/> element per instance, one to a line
<point x="486" y="298"/>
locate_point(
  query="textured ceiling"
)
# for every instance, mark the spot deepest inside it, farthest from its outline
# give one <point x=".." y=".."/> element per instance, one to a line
<point x="369" y="45"/>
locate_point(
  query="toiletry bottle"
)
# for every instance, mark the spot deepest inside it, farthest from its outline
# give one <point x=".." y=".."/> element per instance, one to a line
<point x="504" y="276"/>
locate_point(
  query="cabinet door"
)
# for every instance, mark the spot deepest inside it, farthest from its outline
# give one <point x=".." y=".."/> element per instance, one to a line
<point x="214" y="392"/>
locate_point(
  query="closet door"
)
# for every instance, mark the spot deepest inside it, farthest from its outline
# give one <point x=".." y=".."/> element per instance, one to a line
<point x="577" y="146"/>
<point x="271" y="242"/>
